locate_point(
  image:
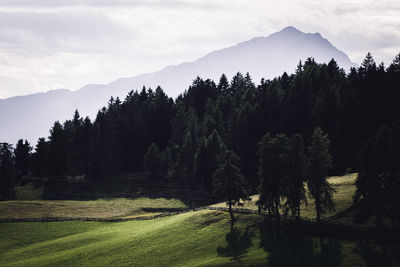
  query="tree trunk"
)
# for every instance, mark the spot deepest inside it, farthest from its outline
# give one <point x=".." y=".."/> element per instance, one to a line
<point x="277" y="212"/>
<point x="298" y="212"/>
<point x="231" y="214"/>
<point x="379" y="222"/>
<point x="318" y="208"/>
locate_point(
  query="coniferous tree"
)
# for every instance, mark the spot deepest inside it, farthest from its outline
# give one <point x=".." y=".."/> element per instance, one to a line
<point x="172" y="156"/>
<point x="223" y="85"/>
<point x="57" y="154"/>
<point x="297" y="173"/>
<point x="22" y="154"/>
<point x="378" y="181"/>
<point x="187" y="160"/>
<point x="273" y="161"/>
<point x="201" y="163"/>
<point x="229" y="183"/>
<point x="214" y="150"/>
<point x="153" y="161"/>
<point x="368" y="64"/>
<point x="395" y="65"/>
<point x="320" y="163"/>
<point x="39" y="158"/>
<point x="8" y="172"/>
<point x="212" y="120"/>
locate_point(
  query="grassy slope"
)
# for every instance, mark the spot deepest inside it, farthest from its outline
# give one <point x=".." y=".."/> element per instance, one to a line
<point x="189" y="239"/>
<point x="183" y="240"/>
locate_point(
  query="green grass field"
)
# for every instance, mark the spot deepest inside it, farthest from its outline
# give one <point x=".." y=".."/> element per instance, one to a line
<point x="189" y="239"/>
<point x="200" y="238"/>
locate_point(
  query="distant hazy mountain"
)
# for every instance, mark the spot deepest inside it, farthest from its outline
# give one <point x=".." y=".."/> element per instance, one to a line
<point x="31" y="116"/>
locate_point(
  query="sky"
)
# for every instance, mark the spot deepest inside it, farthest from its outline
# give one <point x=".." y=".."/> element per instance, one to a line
<point x="51" y="44"/>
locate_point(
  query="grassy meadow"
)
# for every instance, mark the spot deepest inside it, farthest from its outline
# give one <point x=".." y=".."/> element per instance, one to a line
<point x="195" y="238"/>
<point x="189" y="239"/>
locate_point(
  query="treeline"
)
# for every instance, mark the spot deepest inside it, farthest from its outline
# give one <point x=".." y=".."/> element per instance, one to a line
<point x="182" y="140"/>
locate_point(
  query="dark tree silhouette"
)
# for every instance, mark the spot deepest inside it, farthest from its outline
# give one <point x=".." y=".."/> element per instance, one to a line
<point x="22" y="154"/>
<point x="153" y="161"/>
<point x="320" y="163"/>
<point x="378" y="182"/>
<point x="297" y="175"/>
<point x="273" y="158"/>
<point x="229" y="183"/>
<point x="8" y="172"/>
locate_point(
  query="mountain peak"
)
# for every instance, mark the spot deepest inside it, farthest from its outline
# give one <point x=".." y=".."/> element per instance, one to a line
<point x="290" y="29"/>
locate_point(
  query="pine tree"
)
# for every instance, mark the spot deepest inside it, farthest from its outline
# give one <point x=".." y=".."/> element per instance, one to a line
<point x="320" y="163"/>
<point x="187" y="160"/>
<point x="153" y="161"/>
<point x="229" y="183"/>
<point x="57" y="154"/>
<point x="223" y="85"/>
<point x="273" y="171"/>
<point x="8" y="171"/>
<point x="39" y="158"/>
<point x="215" y="148"/>
<point x="395" y="65"/>
<point x="297" y="168"/>
<point x="212" y="119"/>
<point x="22" y="154"/>
<point x="368" y="64"/>
<point x="378" y="181"/>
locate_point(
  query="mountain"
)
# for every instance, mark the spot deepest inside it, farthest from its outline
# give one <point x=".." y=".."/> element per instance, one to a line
<point x="32" y="116"/>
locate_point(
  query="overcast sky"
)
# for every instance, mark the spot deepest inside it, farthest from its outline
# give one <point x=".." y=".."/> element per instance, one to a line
<point x="50" y="44"/>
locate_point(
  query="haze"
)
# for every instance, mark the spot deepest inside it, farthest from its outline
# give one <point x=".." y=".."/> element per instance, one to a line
<point x="47" y="45"/>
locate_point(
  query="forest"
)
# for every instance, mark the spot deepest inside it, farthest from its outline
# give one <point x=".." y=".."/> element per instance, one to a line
<point x="236" y="138"/>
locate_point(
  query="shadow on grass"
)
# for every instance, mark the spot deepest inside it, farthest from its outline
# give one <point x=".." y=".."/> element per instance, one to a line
<point x="238" y="244"/>
<point x="287" y="247"/>
<point x="376" y="255"/>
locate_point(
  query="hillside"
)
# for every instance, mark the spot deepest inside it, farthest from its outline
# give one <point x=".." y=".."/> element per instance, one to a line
<point x="194" y="238"/>
<point x="190" y="239"/>
<point x="31" y="116"/>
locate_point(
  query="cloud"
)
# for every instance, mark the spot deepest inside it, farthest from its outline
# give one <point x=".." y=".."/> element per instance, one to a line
<point x="107" y="3"/>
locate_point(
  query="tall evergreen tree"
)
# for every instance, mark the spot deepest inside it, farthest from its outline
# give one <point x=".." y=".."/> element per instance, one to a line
<point x="22" y="154"/>
<point x="207" y="155"/>
<point x="229" y="183"/>
<point x="395" y="65"/>
<point x="320" y="163"/>
<point x="187" y="160"/>
<point x="215" y="148"/>
<point x="40" y="158"/>
<point x="378" y="181"/>
<point x="201" y="163"/>
<point x="273" y="161"/>
<point x="153" y="161"/>
<point x="223" y="85"/>
<point x="8" y="172"/>
<point x="57" y="154"/>
<point x="297" y="170"/>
